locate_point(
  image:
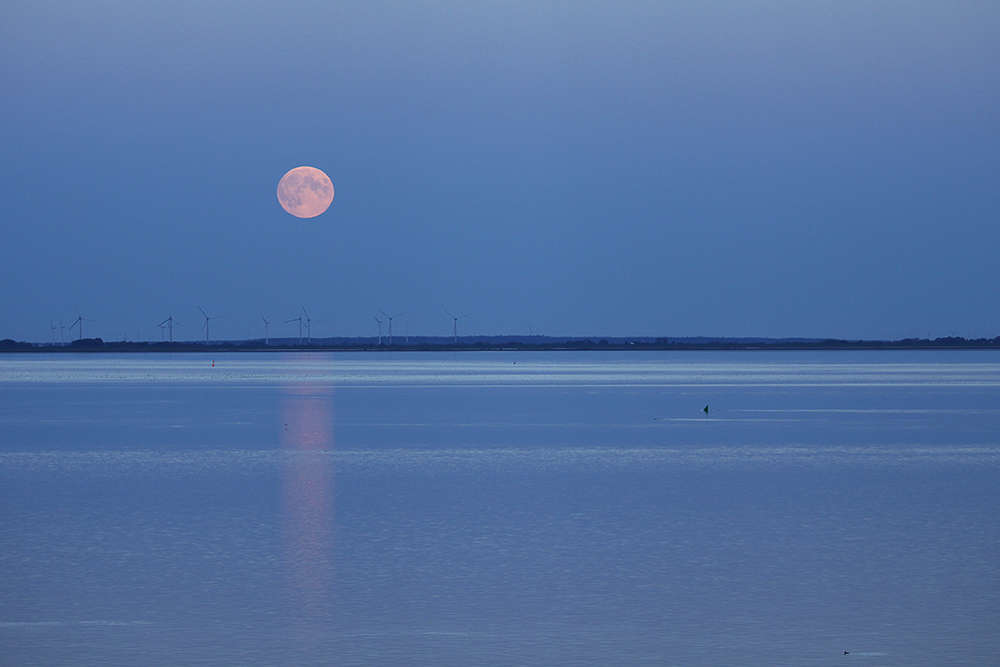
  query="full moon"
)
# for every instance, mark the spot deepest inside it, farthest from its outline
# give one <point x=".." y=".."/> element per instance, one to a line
<point x="305" y="192"/>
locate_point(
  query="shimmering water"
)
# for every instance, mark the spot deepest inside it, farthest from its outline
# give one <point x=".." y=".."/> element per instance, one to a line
<point x="500" y="509"/>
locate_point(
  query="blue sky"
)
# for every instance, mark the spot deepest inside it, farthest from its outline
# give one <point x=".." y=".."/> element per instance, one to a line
<point x="565" y="168"/>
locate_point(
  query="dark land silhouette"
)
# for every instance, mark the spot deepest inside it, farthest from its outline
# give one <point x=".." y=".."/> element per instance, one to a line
<point x="500" y="343"/>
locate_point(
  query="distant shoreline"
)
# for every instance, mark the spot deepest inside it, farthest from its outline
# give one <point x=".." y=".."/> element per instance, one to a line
<point x="506" y="344"/>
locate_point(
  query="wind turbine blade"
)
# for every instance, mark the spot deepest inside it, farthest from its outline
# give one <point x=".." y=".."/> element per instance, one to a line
<point x="202" y="312"/>
<point x="383" y="312"/>
<point x="449" y="314"/>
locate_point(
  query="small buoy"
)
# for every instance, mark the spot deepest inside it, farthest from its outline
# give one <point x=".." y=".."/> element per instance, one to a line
<point x="213" y="364"/>
<point x="705" y="409"/>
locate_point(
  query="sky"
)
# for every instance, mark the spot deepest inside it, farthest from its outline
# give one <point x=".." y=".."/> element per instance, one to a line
<point x="814" y="169"/>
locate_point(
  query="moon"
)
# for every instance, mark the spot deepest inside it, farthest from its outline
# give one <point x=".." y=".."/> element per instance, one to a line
<point x="305" y="192"/>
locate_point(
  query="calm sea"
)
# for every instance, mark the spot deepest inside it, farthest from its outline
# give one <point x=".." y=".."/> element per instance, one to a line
<point x="500" y="509"/>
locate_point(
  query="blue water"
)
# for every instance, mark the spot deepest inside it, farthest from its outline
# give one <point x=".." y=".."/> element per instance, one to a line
<point x="500" y="509"/>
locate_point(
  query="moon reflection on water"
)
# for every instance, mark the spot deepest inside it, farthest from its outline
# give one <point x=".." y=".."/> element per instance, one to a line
<point x="307" y="495"/>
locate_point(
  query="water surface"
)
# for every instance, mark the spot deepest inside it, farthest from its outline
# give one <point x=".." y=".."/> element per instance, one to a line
<point x="500" y="509"/>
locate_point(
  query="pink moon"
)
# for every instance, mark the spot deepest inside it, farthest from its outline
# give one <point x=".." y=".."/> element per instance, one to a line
<point x="305" y="192"/>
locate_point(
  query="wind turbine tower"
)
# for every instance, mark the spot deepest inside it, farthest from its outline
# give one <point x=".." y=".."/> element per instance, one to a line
<point x="169" y="322"/>
<point x="309" y="329"/>
<point x="455" y="330"/>
<point x="53" y="325"/>
<point x="299" y="320"/>
<point x="207" y="319"/>
<point x="379" y="330"/>
<point x="265" y="329"/>
<point x="390" y="318"/>
<point x="78" y="322"/>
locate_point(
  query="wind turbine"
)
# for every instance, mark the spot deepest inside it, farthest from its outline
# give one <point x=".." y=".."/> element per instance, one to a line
<point x="78" y="322"/>
<point x="456" y="323"/>
<point x="390" y="322"/>
<point x="265" y="329"/>
<point x="207" y="318"/>
<point x="62" y="332"/>
<point x="299" y="320"/>
<point x="53" y="325"/>
<point x="309" y="329"/>
<point x="170" y="325"/>
<point x="379" y="330"/>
